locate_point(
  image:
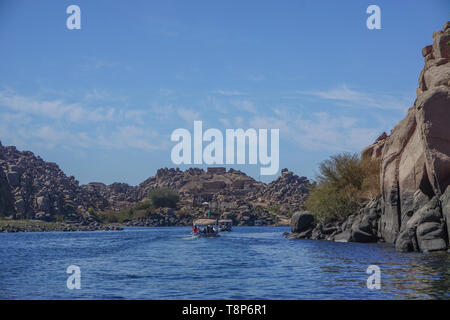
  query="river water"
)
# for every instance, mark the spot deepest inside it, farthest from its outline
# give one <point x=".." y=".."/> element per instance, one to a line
<point x="248" y="263"/>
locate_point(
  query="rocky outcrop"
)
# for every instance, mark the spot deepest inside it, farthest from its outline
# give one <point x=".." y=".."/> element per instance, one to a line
<point x="32" y="188"/>
<point x="415" y="161"/>
<point x="289" y="191"/>
<point x="413" y="210"/>
<point x="374" y="150"/>
<point x="6" y="198"/>
<point x="360" y="227"/>
<point x="233" y="194"/>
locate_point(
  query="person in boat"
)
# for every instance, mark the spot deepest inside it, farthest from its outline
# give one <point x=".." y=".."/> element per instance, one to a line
<point x="195" y="229"/>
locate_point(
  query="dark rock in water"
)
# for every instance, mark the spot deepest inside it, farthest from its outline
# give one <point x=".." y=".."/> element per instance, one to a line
<point x="301" y="221"/>
<point x="365" y="225"/>
<point x="345" y="236"/>
<point x="360" y="227"/>
<point x="404" y="242"/>
<point x="445" y="203"/>
<point x="361" y="236"/>
<point x="306" y="234"/>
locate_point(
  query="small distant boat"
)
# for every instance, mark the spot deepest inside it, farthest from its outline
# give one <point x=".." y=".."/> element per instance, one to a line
<point x="258" y="223"/>
<point x="205" y="228"/>
<point x="225" y="225"/>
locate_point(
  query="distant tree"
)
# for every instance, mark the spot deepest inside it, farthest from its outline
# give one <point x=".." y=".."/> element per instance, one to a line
<point x="164" y="197"/>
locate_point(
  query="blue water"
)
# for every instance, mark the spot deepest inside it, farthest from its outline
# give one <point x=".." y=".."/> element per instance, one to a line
<point x="248" y="263"/>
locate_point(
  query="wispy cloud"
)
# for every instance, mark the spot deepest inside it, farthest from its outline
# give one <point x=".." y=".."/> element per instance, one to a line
<point x="162" y="111"/>
<point x="61" y="110"/>
<point x="230" y="93"/>
<point x="256" y="77"/>
<point x="345" y="96"/>
<point x="166" y="92"/>
<point x="28" y="121"/>
<point x="320" y="131"/>
<point x="132" y="136"/>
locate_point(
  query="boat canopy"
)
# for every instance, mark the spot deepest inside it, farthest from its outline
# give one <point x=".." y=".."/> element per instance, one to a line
<point x="204" y="222"/>
<point x="226" y="221"/>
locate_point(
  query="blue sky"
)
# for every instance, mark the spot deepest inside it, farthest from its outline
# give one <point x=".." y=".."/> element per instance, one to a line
<point x="102" y="101"/>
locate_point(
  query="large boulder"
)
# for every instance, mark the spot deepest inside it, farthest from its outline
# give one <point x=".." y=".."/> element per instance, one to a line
<point x="431" y="237"/>
<point x="425" y="230"/>
<point x="364" y="227"/>
<point x="301" y="221"/>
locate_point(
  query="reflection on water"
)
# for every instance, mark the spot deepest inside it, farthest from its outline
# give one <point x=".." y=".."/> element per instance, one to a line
<point x="427" y="276"/>
<point x="248" y="263"/>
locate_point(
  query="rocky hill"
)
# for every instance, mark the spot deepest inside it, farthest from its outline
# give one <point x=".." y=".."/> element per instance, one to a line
<point x="413" y="209"/>
<point x="31" y="188"/>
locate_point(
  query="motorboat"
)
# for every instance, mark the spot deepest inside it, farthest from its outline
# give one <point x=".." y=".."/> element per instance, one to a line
<point x="225" y="225"/>
<point x="205" y="228"/>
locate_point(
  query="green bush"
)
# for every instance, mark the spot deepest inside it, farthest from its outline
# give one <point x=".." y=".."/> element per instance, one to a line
<point x="345" y="182"/>
<point x="276" y="209"/>
<point x="164" y="198"/>
<point x="143" y="205"/>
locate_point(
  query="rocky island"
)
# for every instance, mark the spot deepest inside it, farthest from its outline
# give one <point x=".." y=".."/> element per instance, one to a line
<point x="37" y="191"/>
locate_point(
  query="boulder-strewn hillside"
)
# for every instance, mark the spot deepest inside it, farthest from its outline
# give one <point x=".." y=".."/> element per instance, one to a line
<point x="31" y="188"/>
<point x="413" y="210"/>
<point x="231" y="194"/>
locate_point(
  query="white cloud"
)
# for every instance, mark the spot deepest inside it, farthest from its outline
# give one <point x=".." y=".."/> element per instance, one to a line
<point x="131" y="136"/>
<point x="245" y="105"/>
<point x="30" y="122"/>
<point x="188" y="115"/>
<point x="225" y="122"/>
